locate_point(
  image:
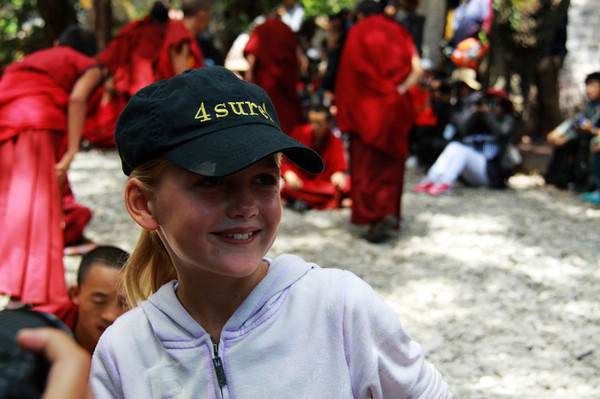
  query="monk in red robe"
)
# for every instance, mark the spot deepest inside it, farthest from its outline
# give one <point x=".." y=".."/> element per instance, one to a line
<point x="156" y="47"/>
<point x="143" y="52"/>
<point x="327" y="189"/>
<point x="379" y="64"/>
<point x="272" y="52"/>
<point x="42" y="98"/>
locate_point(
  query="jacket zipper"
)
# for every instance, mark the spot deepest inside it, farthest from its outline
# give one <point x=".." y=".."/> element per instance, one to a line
<point x="219" y="370"/>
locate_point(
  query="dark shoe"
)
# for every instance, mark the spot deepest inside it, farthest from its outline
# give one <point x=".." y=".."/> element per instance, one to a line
<point x="299" y="205"/>
<point x="381" y="229"/>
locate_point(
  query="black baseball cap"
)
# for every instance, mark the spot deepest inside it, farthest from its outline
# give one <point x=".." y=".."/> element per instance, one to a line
<point x="208" y="121"/>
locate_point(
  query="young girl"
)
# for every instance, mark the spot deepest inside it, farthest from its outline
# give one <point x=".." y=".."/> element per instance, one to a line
<point x="216" y="319"/>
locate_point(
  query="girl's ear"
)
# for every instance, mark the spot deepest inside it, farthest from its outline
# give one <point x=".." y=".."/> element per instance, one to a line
<point x="137" y="200"/>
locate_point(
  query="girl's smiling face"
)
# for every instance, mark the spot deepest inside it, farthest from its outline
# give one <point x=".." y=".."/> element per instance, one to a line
<point x="218" y="226"/>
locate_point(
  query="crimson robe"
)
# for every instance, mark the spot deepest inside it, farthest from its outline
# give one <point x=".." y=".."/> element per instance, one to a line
<point x="34" y="96"/>
<point x="132" y="54"/>
<point x="375" y="59"/>
<point x="136" y="57"/>
<point x="274" y="45"/>
<point x="176" y="35"/>
<point x="67" y="312"/>
<point x="317" y="190"/>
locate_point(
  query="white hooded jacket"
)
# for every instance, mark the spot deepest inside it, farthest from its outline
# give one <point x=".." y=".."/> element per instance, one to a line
<point x="303" y="332"/>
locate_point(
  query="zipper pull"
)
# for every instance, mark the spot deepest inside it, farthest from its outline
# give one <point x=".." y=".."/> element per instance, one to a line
<point x="219" y="370"/>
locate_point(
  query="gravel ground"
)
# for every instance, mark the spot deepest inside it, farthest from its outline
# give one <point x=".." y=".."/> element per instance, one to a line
<point x="500" y="287"/>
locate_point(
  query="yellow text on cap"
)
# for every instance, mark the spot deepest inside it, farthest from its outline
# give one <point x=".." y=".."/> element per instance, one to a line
<point x="223" y="110"/>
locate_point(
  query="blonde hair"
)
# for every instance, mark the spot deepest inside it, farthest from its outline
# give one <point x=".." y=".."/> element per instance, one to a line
<point x="149" y="266"/>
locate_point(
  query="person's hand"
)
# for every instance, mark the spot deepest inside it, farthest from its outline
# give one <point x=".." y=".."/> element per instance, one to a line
<point x="63" y="165"/>
<point x="584" y="125"/>
<point x="339" y="180"/>
<point x="555" y="139"/>
<point x="69" y="363"/>
<point x="292" y="180"/>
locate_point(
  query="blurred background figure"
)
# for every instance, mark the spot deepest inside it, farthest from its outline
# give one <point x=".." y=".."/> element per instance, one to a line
<point x="329" y="188"/>
<point x="379" y="64"/>
<point x="43" y="104"/>
<point x="97" y="299"/>
<point x="273" y="56"/>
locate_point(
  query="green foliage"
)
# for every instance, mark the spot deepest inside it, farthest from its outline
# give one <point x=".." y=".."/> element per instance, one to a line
<point x="20" y="30"/>
<point x="21" y="26"/>
<point x="317" y="7"/>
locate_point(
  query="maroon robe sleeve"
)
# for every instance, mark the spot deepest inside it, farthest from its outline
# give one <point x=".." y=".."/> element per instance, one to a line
<point x="34" y="93"/>
<point x="176" y="35"/>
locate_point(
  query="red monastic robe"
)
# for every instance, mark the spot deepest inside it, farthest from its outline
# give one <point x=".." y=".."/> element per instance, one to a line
<point x="274" y="45"/>
<point x="175" y="36"/>
<point x="67" y="312"/>
<point x="132" y="54"/>
<point x="136" y="57"/>
<point x="376" y="58"/>
<point x="317" y="190"/>
<point x="34" y="95"/>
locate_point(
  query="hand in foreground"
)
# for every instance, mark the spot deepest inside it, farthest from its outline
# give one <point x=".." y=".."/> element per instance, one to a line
<point x="69" y="363"/>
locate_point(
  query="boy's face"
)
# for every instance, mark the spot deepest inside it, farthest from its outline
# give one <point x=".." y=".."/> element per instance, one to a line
<point x="592" y="89"/>
<point x="218" y="227"/>
<point x="100" y="300"/>
<point x="319" y="124"/>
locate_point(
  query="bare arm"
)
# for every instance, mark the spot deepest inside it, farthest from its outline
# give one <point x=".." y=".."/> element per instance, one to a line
<point x="76" y="112"/>
<point x="251" y="58"/>
<point x="179" y="58"/>
<point x="415" y="75"/>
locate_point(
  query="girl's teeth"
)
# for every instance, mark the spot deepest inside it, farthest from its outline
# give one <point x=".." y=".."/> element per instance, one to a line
<point x="240" y="236"/>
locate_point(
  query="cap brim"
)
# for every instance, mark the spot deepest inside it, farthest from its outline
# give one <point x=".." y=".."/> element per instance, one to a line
<point x="225" y="152"/>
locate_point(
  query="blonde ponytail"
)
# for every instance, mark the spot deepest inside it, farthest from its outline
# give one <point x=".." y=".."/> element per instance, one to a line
<point x="149" y="266"/>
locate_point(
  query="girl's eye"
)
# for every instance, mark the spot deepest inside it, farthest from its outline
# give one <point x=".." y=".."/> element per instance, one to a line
<point x="210" y="181"/>
<point x="267" y="179"/>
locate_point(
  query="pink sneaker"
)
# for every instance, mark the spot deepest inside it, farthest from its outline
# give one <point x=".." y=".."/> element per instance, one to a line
<point x="422" y="187"/>
<point x="438" y="189"/>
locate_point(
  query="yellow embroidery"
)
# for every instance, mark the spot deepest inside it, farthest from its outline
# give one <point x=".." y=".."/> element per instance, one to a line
<point x="252" y="106"/>
<point x="264" y="112"/>
<point x="221" y="110"/>
<point x="240" y="110"/>
<point x="202" y="115"/>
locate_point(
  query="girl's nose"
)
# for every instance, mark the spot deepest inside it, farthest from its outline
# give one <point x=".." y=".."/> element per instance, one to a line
<point x="243" y="202"/>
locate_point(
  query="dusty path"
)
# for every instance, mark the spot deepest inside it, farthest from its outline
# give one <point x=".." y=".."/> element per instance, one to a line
<point x="500" y="287"/>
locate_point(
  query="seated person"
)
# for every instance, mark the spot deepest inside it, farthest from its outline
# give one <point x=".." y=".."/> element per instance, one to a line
<point x="477" y="154"/>
<point x="594" y="196"/>
<point x="570" y="162"/>
<point x="97" y="299"/>
<point x="431" y="99"/>
<point x="326" y="190"/>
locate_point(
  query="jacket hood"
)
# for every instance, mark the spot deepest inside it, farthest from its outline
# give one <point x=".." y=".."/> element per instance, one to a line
<point x="169" y="318"/>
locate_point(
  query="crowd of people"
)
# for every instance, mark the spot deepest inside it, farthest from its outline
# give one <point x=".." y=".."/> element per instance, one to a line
<point x="349" y="102"/>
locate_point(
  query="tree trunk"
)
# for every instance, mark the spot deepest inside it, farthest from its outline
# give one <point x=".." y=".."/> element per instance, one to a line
<point x="57" y="15"/>
<point x="100" y="19"/>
